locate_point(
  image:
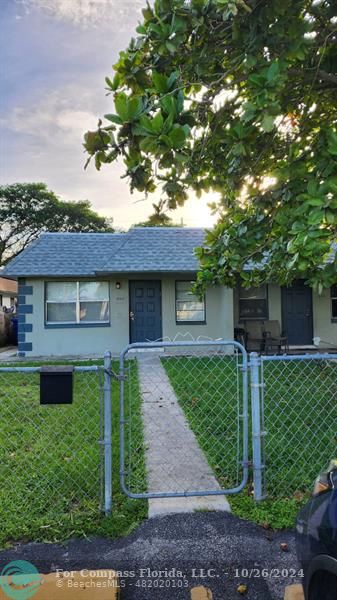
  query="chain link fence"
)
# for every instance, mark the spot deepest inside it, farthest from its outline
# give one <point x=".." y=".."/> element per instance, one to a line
<point x="193" y="421"/>
<point x="50" y="455"/>
<point x="184" y="430"/>
<point x="298" y="421"/>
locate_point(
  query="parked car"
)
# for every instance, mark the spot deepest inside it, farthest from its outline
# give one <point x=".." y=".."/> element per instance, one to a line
<point x="316" y="538"/>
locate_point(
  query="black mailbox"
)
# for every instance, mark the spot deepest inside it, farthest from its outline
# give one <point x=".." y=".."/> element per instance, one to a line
<point x="56" y="385"/>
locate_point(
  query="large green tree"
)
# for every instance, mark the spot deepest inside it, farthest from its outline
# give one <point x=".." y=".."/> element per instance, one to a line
<point x="240" y="97"/>
<point x="27" y="209"/>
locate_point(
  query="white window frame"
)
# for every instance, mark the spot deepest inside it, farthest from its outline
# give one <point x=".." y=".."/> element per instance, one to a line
<point x="187" y="321"/>
<point x="243" y="318"/>
<point x="78" y="304"/>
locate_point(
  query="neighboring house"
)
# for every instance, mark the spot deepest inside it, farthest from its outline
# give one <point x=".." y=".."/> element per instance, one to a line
<point x="84" y="293"/>
<point x="8" y="292"/>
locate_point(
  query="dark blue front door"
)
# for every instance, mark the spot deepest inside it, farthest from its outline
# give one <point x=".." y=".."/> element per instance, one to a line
<point x="297" y="318"/>
<point x="145" y="311"/>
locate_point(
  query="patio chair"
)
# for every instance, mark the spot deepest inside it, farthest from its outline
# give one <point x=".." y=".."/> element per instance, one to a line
<point x="274" y="337"/>
<point x="254" y="336"/>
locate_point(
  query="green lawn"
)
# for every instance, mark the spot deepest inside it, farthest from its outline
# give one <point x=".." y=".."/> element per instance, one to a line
<point x="300" y="405"/>
<point x="50" y="477"/>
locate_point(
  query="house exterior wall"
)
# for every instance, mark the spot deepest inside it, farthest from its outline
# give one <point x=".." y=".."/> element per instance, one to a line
<point x="38" y="339"/>
<point x="324" y="327"/>
<point x="219" y="314"/>
<point x="274" y="303"/>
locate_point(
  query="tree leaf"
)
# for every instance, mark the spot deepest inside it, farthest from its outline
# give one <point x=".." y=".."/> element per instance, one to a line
<point x="331" y="217"/>
<point x="138" y="130"/>
<point x="121" y="104"/>
<point x="134" y="108"/>
<point x="114" y="119"/>
<point x="257" y="79"/>
<point x="315" y="217"/>
<point x="155" y="28"/>
<point x="332" y="142"/>
<point x="180" y="101"/>
<point x="267" y="123"/>
<point x="169" y="105"/>
<point x="113" y="84"/>
<point x="273" y="71"/>
<point x="157" y="123"/>
<point x="148" y="144"/>
<point x="312" y="187"/>
<point x="147" y="13"/>
<point x="160" y="82"/>
<point x="315" y="202"/>
<point x="171" y="47"/>
<point x="178" y="24"/>
<point x="141" y="30"/>
<point x="168" y="123"/>
<point x="249" y="111"/>
<point x="166" y="140"/>
<point x="177" y="137"/>
<point x="172" y="79"/>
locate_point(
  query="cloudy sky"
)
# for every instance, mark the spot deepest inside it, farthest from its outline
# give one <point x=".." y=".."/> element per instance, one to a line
<point x="55" y="55"/>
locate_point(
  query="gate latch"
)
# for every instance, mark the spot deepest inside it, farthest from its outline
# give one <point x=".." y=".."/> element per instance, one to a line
<point x="114" y="375"/>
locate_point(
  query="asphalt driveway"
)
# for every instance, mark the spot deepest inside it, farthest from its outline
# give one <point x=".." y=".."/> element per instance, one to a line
<point x="216" y="550"/>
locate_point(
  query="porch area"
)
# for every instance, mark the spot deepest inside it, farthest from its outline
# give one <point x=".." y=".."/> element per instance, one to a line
<point x="286" y="320"/>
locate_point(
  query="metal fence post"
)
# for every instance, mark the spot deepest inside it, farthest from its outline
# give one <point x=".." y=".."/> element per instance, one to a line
<point x="256" y="424"/>
<point x="107" y="435"/>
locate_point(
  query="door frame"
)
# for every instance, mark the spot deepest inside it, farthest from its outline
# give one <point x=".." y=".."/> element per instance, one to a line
<point x="160" y="304"/>
<point x="297" y="285"/>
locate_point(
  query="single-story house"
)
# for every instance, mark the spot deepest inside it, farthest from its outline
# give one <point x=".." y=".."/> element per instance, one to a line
<point x="84" y="293"/>
<point x="8" y="292"/>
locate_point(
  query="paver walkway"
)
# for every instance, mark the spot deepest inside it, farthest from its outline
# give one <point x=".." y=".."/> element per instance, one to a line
<point x="174" y="460"/>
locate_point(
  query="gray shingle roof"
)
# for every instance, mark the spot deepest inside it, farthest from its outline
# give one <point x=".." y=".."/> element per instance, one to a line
<point x="141" y="250"/>
<point x="157" y="249"/>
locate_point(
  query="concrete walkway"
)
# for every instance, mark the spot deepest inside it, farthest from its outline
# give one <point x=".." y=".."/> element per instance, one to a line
<point x="174" y="460"/>
<point x="8" y="352"/>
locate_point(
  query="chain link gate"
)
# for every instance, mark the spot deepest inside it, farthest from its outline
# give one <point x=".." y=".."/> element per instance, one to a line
<point x="183" y="419"/>
<point x="185" y="408"/>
